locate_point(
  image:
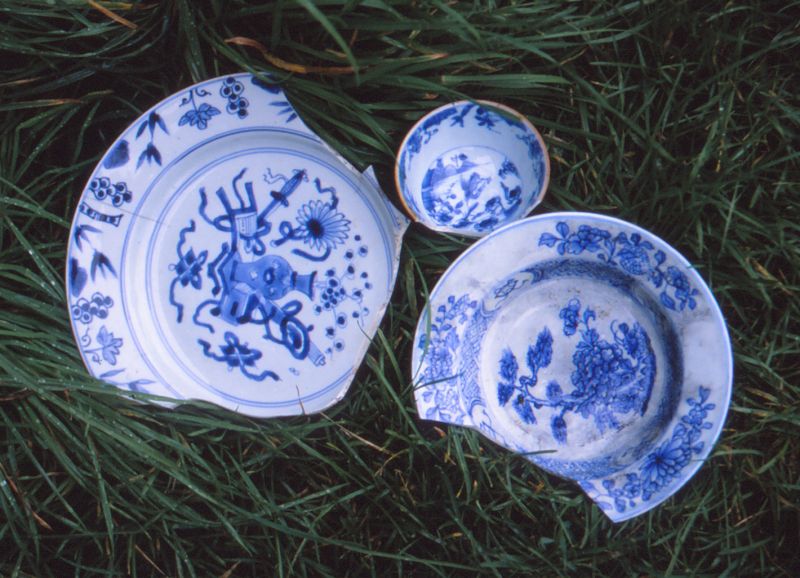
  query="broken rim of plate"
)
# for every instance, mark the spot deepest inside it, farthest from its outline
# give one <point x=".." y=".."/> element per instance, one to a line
<point x="222" y="252"/>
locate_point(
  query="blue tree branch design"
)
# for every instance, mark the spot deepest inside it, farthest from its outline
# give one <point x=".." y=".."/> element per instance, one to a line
<point x="609" y="378"/>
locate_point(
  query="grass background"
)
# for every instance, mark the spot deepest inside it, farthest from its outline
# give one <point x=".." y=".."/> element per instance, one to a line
<point x="679" y="116"/>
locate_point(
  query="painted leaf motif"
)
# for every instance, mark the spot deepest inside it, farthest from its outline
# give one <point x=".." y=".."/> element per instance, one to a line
<point x="110" y="374"/>
<point x="149" y="153"/>
<point x="554" y="392"/>
<point x="667" y="301"/>
<point x="136" y="384"/>
<point x="559" y="429"/>
<point x="525" y="411"/>
<point x="504" y="393"/>
<point x="548" y="240"/>
<point x="118" y="156"/>
<point x="101" y="263"/>
<point x="541" y="354"/>
<point x="77" y="277"/>
<point x="189" y="117"/>
<point x="80" y="234"/>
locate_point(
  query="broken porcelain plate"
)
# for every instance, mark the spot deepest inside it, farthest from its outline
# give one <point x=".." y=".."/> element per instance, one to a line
<point x="587" y="344"/>
<point x="222" y="252"/>
<point x="471" y="167"/>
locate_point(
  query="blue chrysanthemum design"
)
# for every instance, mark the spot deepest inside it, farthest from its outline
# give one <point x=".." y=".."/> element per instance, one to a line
<point x="321" y="226"/>
<point x="662" y="466"/>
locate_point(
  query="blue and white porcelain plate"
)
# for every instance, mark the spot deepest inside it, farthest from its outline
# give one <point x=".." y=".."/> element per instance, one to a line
<point x="585" y="343"/>
<point x="221" y="251"/>
<point x="471" y="167"/>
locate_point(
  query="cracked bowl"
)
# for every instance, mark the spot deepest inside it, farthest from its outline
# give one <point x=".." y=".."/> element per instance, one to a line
<point x="587" y="344"/>
<point x="471" y="167"/>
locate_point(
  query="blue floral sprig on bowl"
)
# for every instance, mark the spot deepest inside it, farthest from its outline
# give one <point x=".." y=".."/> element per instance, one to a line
<point x="632" y="254"/>
<point x="662" y="466"/>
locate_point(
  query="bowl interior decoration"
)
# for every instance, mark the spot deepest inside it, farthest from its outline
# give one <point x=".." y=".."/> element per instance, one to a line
<point x="471" y="167"/>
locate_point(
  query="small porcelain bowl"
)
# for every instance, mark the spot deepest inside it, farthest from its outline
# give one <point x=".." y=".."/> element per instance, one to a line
<point x="471" y="167"/>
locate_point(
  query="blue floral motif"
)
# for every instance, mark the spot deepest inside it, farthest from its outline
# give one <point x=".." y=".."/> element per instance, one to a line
<point x="85" y="310"/>
<point x="232" y="90"/>
<point x="610" y="378"/>
<point x="570" y="315"/>
<point x="633" y="254"/>
<point x="321" y="226"/>
<point x="250" y="285"/>
<point x="341" y="297"/>
<point x="198" y="115"/>
<point x="237" y="354"/>
<point x="662" y="466"/>
<point x="107" y="348"/>
<point x="439" y="349"/>
<point x="117" y="193"/>
<point x="586" y="238"/>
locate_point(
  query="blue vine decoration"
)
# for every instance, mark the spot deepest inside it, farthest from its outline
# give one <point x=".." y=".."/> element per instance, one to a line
<point x="198" y="115"/>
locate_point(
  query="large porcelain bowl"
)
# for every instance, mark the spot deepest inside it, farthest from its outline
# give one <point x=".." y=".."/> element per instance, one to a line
<point x="586" y="344"/>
